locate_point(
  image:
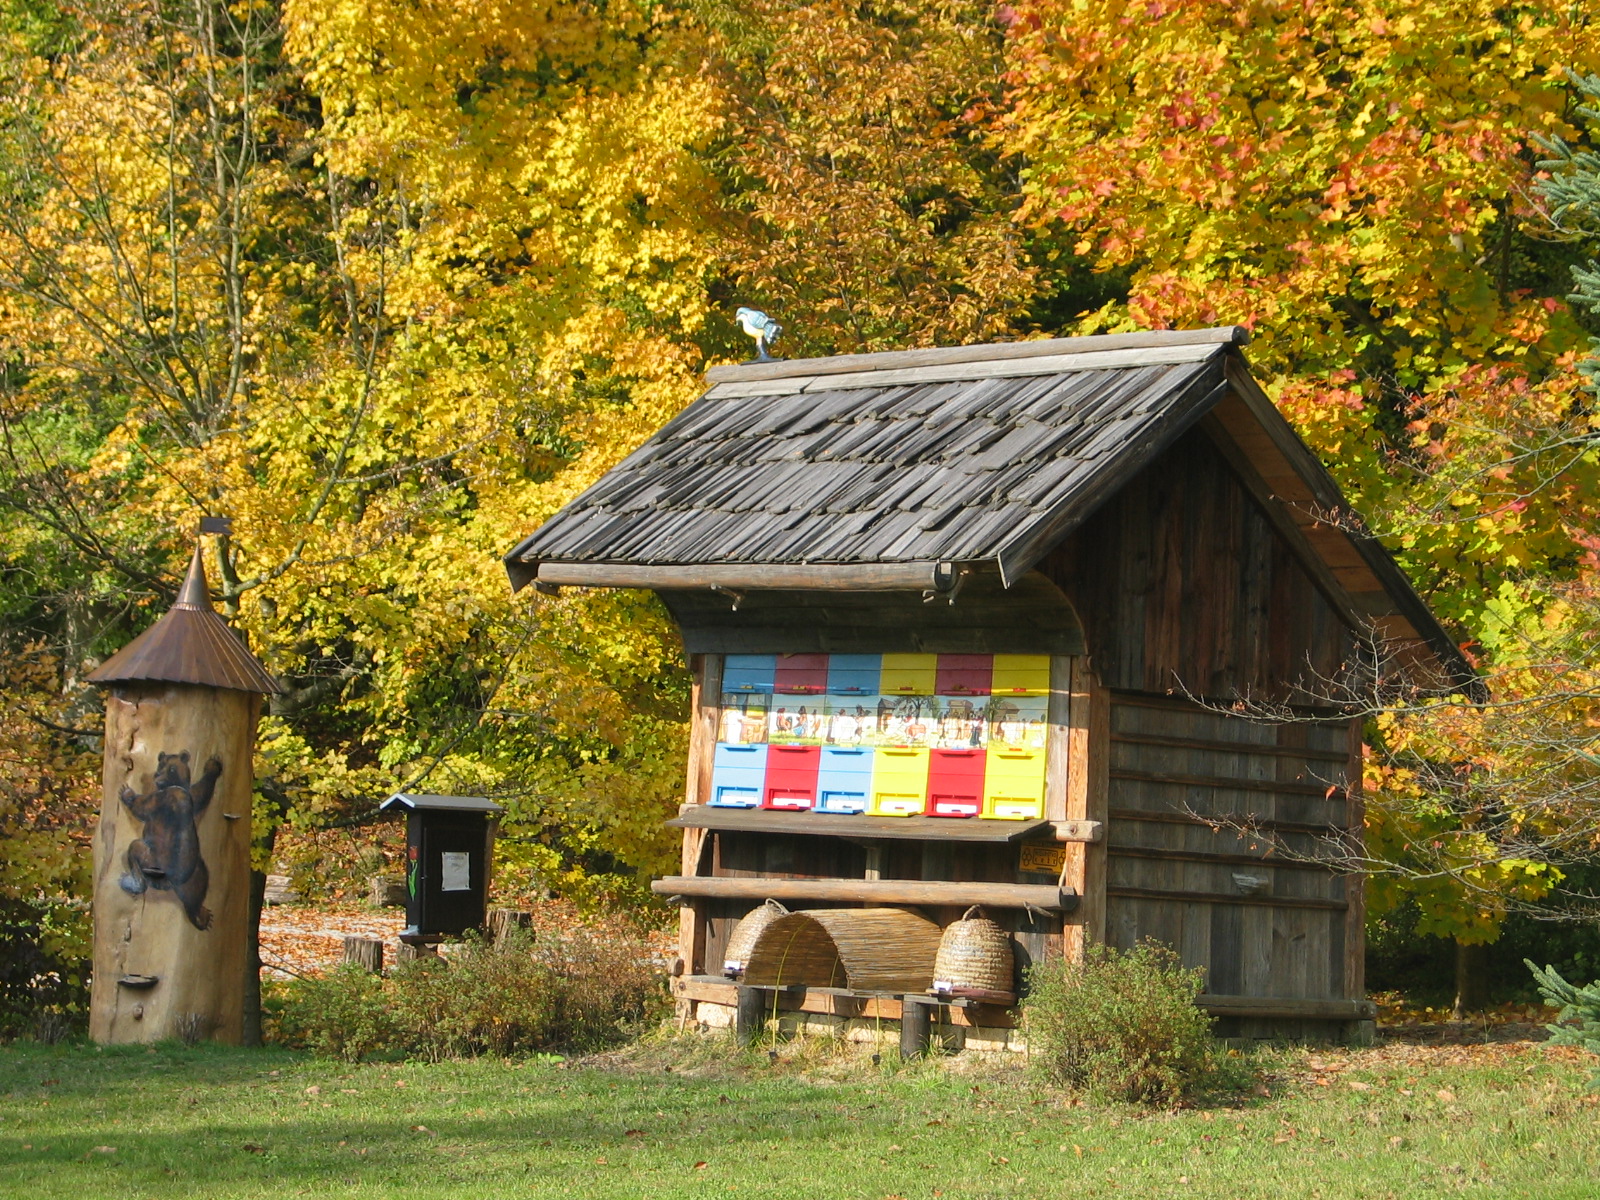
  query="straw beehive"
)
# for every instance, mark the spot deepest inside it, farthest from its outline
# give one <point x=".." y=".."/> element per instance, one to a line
<point x="867" y="949"/>
<point x="745" y="933"/>
<point x="974" y="954"/>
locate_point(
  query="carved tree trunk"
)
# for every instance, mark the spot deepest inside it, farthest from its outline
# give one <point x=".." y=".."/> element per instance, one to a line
<point x="172" y="864"/>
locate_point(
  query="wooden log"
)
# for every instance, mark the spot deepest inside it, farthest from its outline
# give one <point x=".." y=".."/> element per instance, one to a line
<point x="364" y="952"/>
<point x="502" y="923"/>
<point x="915" y="1029"/>
<point x="871" y="891"/>
<point x="172" y="863"/>
<point x="750" y="1014"/>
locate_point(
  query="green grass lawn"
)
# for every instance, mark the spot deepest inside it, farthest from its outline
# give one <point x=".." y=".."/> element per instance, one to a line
<point x="1401" y="1122"/>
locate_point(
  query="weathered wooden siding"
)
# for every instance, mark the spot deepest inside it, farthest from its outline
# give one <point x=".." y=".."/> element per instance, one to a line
<point x="1183" y="780"/>
<point x="1183" y="585"/>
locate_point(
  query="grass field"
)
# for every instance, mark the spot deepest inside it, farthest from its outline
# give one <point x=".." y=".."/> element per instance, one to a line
<point x="1401" y="1121"/>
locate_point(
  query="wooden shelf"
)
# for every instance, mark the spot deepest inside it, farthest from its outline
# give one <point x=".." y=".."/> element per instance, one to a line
<point x="810" y="824"/>
<point x="1046" y="897"/>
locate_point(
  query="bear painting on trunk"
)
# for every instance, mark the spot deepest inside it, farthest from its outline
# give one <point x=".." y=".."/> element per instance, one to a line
<point x="167" y="855"/>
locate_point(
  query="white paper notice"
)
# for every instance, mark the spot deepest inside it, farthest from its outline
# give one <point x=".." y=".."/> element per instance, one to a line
<point x="454" y="874"/>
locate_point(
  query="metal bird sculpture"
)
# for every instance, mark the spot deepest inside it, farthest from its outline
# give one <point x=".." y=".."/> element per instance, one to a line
<point x="761" y="327"/>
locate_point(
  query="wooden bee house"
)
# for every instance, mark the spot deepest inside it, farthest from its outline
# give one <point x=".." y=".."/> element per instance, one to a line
<point x="970" y="626"/>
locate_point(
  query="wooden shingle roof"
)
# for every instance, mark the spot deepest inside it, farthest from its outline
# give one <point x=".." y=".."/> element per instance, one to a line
<point x="908" y="470"/>
<point x="912" y="467"/>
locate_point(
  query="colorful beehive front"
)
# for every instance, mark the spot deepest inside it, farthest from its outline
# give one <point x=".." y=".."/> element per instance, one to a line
<point x="791" y="780"/>
<point x="844" y="780"/>
<point x="947" y="735"/>
<point x="739" y="776"/>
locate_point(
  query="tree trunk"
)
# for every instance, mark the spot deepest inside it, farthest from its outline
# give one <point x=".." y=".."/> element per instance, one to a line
<point x="252" y="954"/>
<point x="172" y="887"/>
<point x="1471" y="981"/>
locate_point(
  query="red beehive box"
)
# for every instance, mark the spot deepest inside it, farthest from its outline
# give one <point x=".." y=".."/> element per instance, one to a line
<point x="791" y="776"/>
<point x="964" y="674"/>
<point x="955" y="783"/>
<point x="802" y="674"/>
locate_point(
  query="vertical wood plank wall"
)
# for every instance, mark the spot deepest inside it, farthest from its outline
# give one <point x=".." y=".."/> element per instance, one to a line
<point x="1198" y="801"/>
<point x="1186" y="590"/>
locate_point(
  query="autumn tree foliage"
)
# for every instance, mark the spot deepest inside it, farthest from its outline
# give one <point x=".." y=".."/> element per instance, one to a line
<point x="389" y="283"/>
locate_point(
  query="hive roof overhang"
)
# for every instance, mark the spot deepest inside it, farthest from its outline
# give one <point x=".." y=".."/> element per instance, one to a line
<point x="191" y="644"/>
<point x="900" y="471"/>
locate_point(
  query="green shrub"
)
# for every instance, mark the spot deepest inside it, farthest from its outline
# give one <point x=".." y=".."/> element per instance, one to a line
<point x="575" y="991"/>
<point x="1578" y="1022"/>
<point x="1120" y="1025"/>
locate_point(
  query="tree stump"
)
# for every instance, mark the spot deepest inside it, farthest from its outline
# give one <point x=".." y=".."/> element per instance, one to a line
<point x="502" y="922"/>
<point x="404" y="952"/>
<point x="364" y="952"/>
<point x="387" y="891"/>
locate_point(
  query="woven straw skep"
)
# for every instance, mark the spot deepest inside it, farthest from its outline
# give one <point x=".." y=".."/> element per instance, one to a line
<point x="974" y="953"/>
<point x="743" y="938"/>
<point x="867" y="949"/>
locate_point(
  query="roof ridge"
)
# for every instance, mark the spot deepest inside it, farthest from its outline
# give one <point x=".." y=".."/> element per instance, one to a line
<point x="893" y="360"/>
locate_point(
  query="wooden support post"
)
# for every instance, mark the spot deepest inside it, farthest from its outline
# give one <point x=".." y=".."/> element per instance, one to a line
<point x="705" y="709"/>
<point x="915" y="1028"/>
<point x="750" y="1015"/>
<point x="364" y="952"/>
<point x="1355" y="886"/>
<point x="1088" y="782"/>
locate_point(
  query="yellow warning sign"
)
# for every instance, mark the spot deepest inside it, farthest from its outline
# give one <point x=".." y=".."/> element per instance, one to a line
<point x="1046" y="858"/>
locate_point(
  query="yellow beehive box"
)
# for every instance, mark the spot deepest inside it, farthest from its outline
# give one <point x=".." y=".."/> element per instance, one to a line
<point x="1013" y="784"/>
<point x="899" y="781"/>
<point x="909" y="674"/>
<point x="1021" y="675"/>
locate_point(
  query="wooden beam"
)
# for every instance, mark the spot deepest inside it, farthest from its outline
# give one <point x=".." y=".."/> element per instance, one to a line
<point x="736" y="577"/>
<point x="1243" y="821"/>
<point x="846" y="364"/>
<point x="841" y="1002"/>
<point x="872" y="891"/>
<point x="860" y="826"/>
<point x="705" y="699"/>
<point x="879" y="376"/>
<point x="1355" y="885"/>
<point x="1138" y="893"/>
<point x="1288" y="1007"/>
<point x="1163" y="854"/>
<point x="1229" y="784"/>
<point x="1245" y="748"/>
<point x="1088" y="748"/>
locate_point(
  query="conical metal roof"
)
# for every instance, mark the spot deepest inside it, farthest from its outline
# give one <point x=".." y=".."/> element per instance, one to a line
<point x="191" y="644"/>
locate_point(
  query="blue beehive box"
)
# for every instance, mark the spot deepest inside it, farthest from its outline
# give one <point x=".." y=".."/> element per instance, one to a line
<point x="844" y="780"/>
<point x="854" y="674"/>
<point x="738" y="773"/>
<point x="750" y="673"/>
